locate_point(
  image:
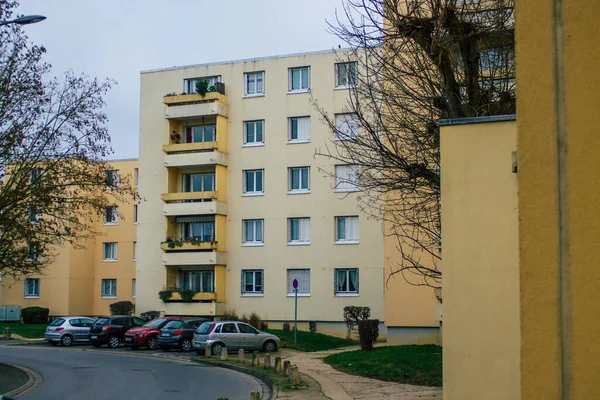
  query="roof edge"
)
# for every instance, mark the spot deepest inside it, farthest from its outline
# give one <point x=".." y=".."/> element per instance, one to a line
<point x="478" y="120"/>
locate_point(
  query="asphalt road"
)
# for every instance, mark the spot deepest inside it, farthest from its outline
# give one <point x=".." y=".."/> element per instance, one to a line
<point x="78" y="373"/>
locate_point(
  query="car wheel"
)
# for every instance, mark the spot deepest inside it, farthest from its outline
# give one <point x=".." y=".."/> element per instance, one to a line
<point x="186" y="345"/>
<point x="96" y="344"/>
<point x="270" y="346"/>
<point x="152" y="343"/>
<point x="114" y="342"/>
<point x="66" y="340"/>
<point x="217" y="348"/>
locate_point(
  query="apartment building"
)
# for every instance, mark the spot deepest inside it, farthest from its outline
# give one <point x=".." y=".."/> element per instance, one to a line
<point x="235" y="205"/>
<point x="86" y="281"/>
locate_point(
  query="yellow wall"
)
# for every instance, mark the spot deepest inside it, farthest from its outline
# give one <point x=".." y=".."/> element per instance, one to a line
<point x="481" y="266"/>
<point x="558" y="81"/>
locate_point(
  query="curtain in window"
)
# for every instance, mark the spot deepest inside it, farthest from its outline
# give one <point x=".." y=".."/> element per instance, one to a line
<point x="353" y="280"/>
<point x="341" y="228"/>
<point x="295" y="79"/>
<point x="341" y="280"/>
<point x="304" y="78"/>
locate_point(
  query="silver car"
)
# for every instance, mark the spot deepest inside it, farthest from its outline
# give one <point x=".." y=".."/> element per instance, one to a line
<point x="69" y="330"/>
<point x="233" y="335"/>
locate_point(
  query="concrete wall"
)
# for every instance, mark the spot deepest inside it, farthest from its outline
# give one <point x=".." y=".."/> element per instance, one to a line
<point x="481" y="264"/>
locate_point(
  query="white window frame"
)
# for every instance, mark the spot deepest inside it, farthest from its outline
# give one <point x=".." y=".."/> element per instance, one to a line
<point x="346" y="293"/>
<point x="114" y="255"/>
<point x="133" y="288"/>
<point x="301" y="89"/>
<point x="206" y="278"/>
<point x="35" y="175"/>
<point x="254" y="192"/>
<point x="302" y="281"/>
<point x="346" y="126"/>
<point x="303" y="126"/>
<point x="112" y="288"/>
<point x="33" y="252"/>
<point x="134" y="250"/>
<point x="35" y="216"/>
<point x="337" y="75"/>
<point x="33" y="294"/>
<point x="114" y="215"/>
<point x="343" y="179"/>
<point x="301" y="189"/>
<point x="135" y="213"/>
<point x="115" y="179"/>
<point x="187" y="83"/>
<point x="188" y="130"/>
<point x="136" y="176"/>
<point x="255" y="74"/>
<point x="303" y="231"/>
<point x="191" y="188"/>
<point x="255" y="142"/>
<point x="249" y="243"/>
<point x="253" y="292"/>
<point x="351" y="229"/>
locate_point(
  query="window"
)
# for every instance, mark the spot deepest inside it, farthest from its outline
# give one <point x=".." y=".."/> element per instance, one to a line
<point x="110" y="251"/>
<point x="189" y="85"/>
<point x="35" y="176"/>
<point x="346" y="281"/>
<point x="109" y="288"/>
<point x="133" y="288"/>
<point x="33" y="252"/>
<point x="199" y="228"/>
<point x="134" y="251"/>
<point x="245" y="328"/>
<point x="346" y="178"/>
<point x="253" y="133"/>
<point x="135" y="213"/>
<point x="345" y="74"/>
<point x="254" y="83"/>
<point x="111" y="215"/>
<point x="254" y="181"/>
<point x="496" y="58"/>
<point x="136" y="176"/>
<point x="199" y="182"/>
<point x="252" y="281"/>
<point x="35" y="216"/>
<point x="299" y="180"/>
<point x="303" y="276"/>
<point x="112" y="179"/>
<point x="253" y="232"/>
<point x="200" y="134"/>
<point x="32" y="287"/>
<point x="298" y="230"/>
<point x="346" y="229"/>
<point x="198" y="281"/>
<point x="299" y="79"/>
<point x="346" y="126"/>
<point x="229" y="328"/>
<point x="299" y="129"/>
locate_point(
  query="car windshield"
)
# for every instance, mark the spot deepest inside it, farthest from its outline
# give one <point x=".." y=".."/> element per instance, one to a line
<point x="57" y="322"/>
<point x="156" y="323"/>
<point x="204" y="328"/>
<point x="174" y="325"/>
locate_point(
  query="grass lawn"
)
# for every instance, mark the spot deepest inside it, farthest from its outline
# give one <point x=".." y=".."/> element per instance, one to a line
<point x="30" y="331"/>
<point x="308" y="341"/>
<point x="412" y="365"/>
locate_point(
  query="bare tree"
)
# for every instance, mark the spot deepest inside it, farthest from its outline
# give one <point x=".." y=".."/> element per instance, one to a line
<point x="411" y="63"/>
<point x="53" y="181"/>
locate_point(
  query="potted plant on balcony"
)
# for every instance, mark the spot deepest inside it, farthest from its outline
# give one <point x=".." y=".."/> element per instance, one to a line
<point x="165" y="295"/>
<point x="187" y="295"/>
<point x="202" y="87"/>
<point x="175" y="137"/>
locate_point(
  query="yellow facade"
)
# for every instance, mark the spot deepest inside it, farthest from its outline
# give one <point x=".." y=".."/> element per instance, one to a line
<point x="72" y="284"/>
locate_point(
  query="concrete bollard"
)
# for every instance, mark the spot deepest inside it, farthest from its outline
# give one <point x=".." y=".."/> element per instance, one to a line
<point x="286" y="368"/>
<point x="294" y="377"/>
<point x="207" y="351"/>
<point x="224" y="354"/>
<point x="255" y="395"/>
<point x="255" y="359"/>
<point x="267" y="361"/>
<point x="241" y="356"/>
<point x="7" y="333"/>
<point x="278" y="364"/>
<point x="223" y="398"/>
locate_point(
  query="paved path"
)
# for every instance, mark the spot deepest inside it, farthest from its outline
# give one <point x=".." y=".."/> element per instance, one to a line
<point x="340" y="386"/>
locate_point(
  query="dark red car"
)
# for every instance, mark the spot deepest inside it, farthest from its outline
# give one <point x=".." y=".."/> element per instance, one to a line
<point x="146" y="335"/>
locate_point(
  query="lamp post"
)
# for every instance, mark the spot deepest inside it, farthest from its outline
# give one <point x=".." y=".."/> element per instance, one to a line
<point x="24" y="20"/>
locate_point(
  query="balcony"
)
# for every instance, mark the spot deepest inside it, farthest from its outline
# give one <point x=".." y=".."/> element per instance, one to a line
<point x="195" y="208"/>
<point x="210" y="135"/>
<point x="191" y="159"/>
<point x="188" y="258"/>
<point x="197" y="309"/>
<point x="189" y="106"/>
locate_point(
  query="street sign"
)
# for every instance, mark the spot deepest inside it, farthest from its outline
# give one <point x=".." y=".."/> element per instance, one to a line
<point x="295" y="284"/>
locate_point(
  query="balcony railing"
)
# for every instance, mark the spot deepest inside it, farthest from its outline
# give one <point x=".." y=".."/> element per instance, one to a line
<point x="188" y="244"/>
<point x="182" y="196"/>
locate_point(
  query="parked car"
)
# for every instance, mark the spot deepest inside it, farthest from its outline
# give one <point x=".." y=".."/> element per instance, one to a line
<point x="110" y="330"/>
<point x="146" y="335"/>
<point x="233" y="335"/>
<point x="179" y="334"/>
<point x="69" y="330"/>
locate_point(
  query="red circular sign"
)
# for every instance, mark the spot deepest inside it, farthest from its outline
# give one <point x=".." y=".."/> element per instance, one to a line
<point x="295" y="283"/>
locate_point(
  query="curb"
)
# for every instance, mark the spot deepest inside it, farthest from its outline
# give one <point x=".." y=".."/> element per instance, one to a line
<point x="35" y="380"/>
<point x="273" y="390"/>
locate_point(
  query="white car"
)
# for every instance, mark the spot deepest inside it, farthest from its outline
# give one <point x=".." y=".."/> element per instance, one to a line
<point x="69" y="330"/>
<point x="233" y="335"/>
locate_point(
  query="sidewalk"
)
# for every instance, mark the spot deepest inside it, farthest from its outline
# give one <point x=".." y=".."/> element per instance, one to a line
<point x="340" y="386"/>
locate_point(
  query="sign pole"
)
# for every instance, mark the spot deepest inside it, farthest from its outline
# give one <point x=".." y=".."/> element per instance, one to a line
<point x="295" y="286"/>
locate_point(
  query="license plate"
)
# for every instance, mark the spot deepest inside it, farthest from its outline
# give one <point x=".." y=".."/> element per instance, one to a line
<point x="164" y="334"/>
<point x="94" y="337"/>
<point x="128" y="339"/>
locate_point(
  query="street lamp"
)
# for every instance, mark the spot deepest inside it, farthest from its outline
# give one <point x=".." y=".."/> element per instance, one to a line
<point x="25" y="20"/>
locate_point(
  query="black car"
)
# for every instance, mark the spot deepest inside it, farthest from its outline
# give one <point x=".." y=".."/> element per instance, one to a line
<point x="179" y="334"/>
<point x="110" y="330"/>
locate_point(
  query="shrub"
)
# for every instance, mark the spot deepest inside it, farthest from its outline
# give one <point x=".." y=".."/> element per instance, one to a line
<point x="202" y="87"/>
<point x="254" y="320"/>
<point x="122" y="308"/>
<point x="353" y="314"/>
<point x="264" y="325"/>
<point x="230" y="316"/>
<point x="187" y="295"/>
<point x="286" y="326"/>
<point x="312" y="326"/>
<point x="165" y="295"/>
<point x="150" y="315"/>
<point x="368" y="332"/>
<point x="244" y="318"/>
<point x="35" y="315"/>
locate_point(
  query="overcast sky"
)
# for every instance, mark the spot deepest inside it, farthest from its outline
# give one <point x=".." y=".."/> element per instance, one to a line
<point x="119" y="38"/>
